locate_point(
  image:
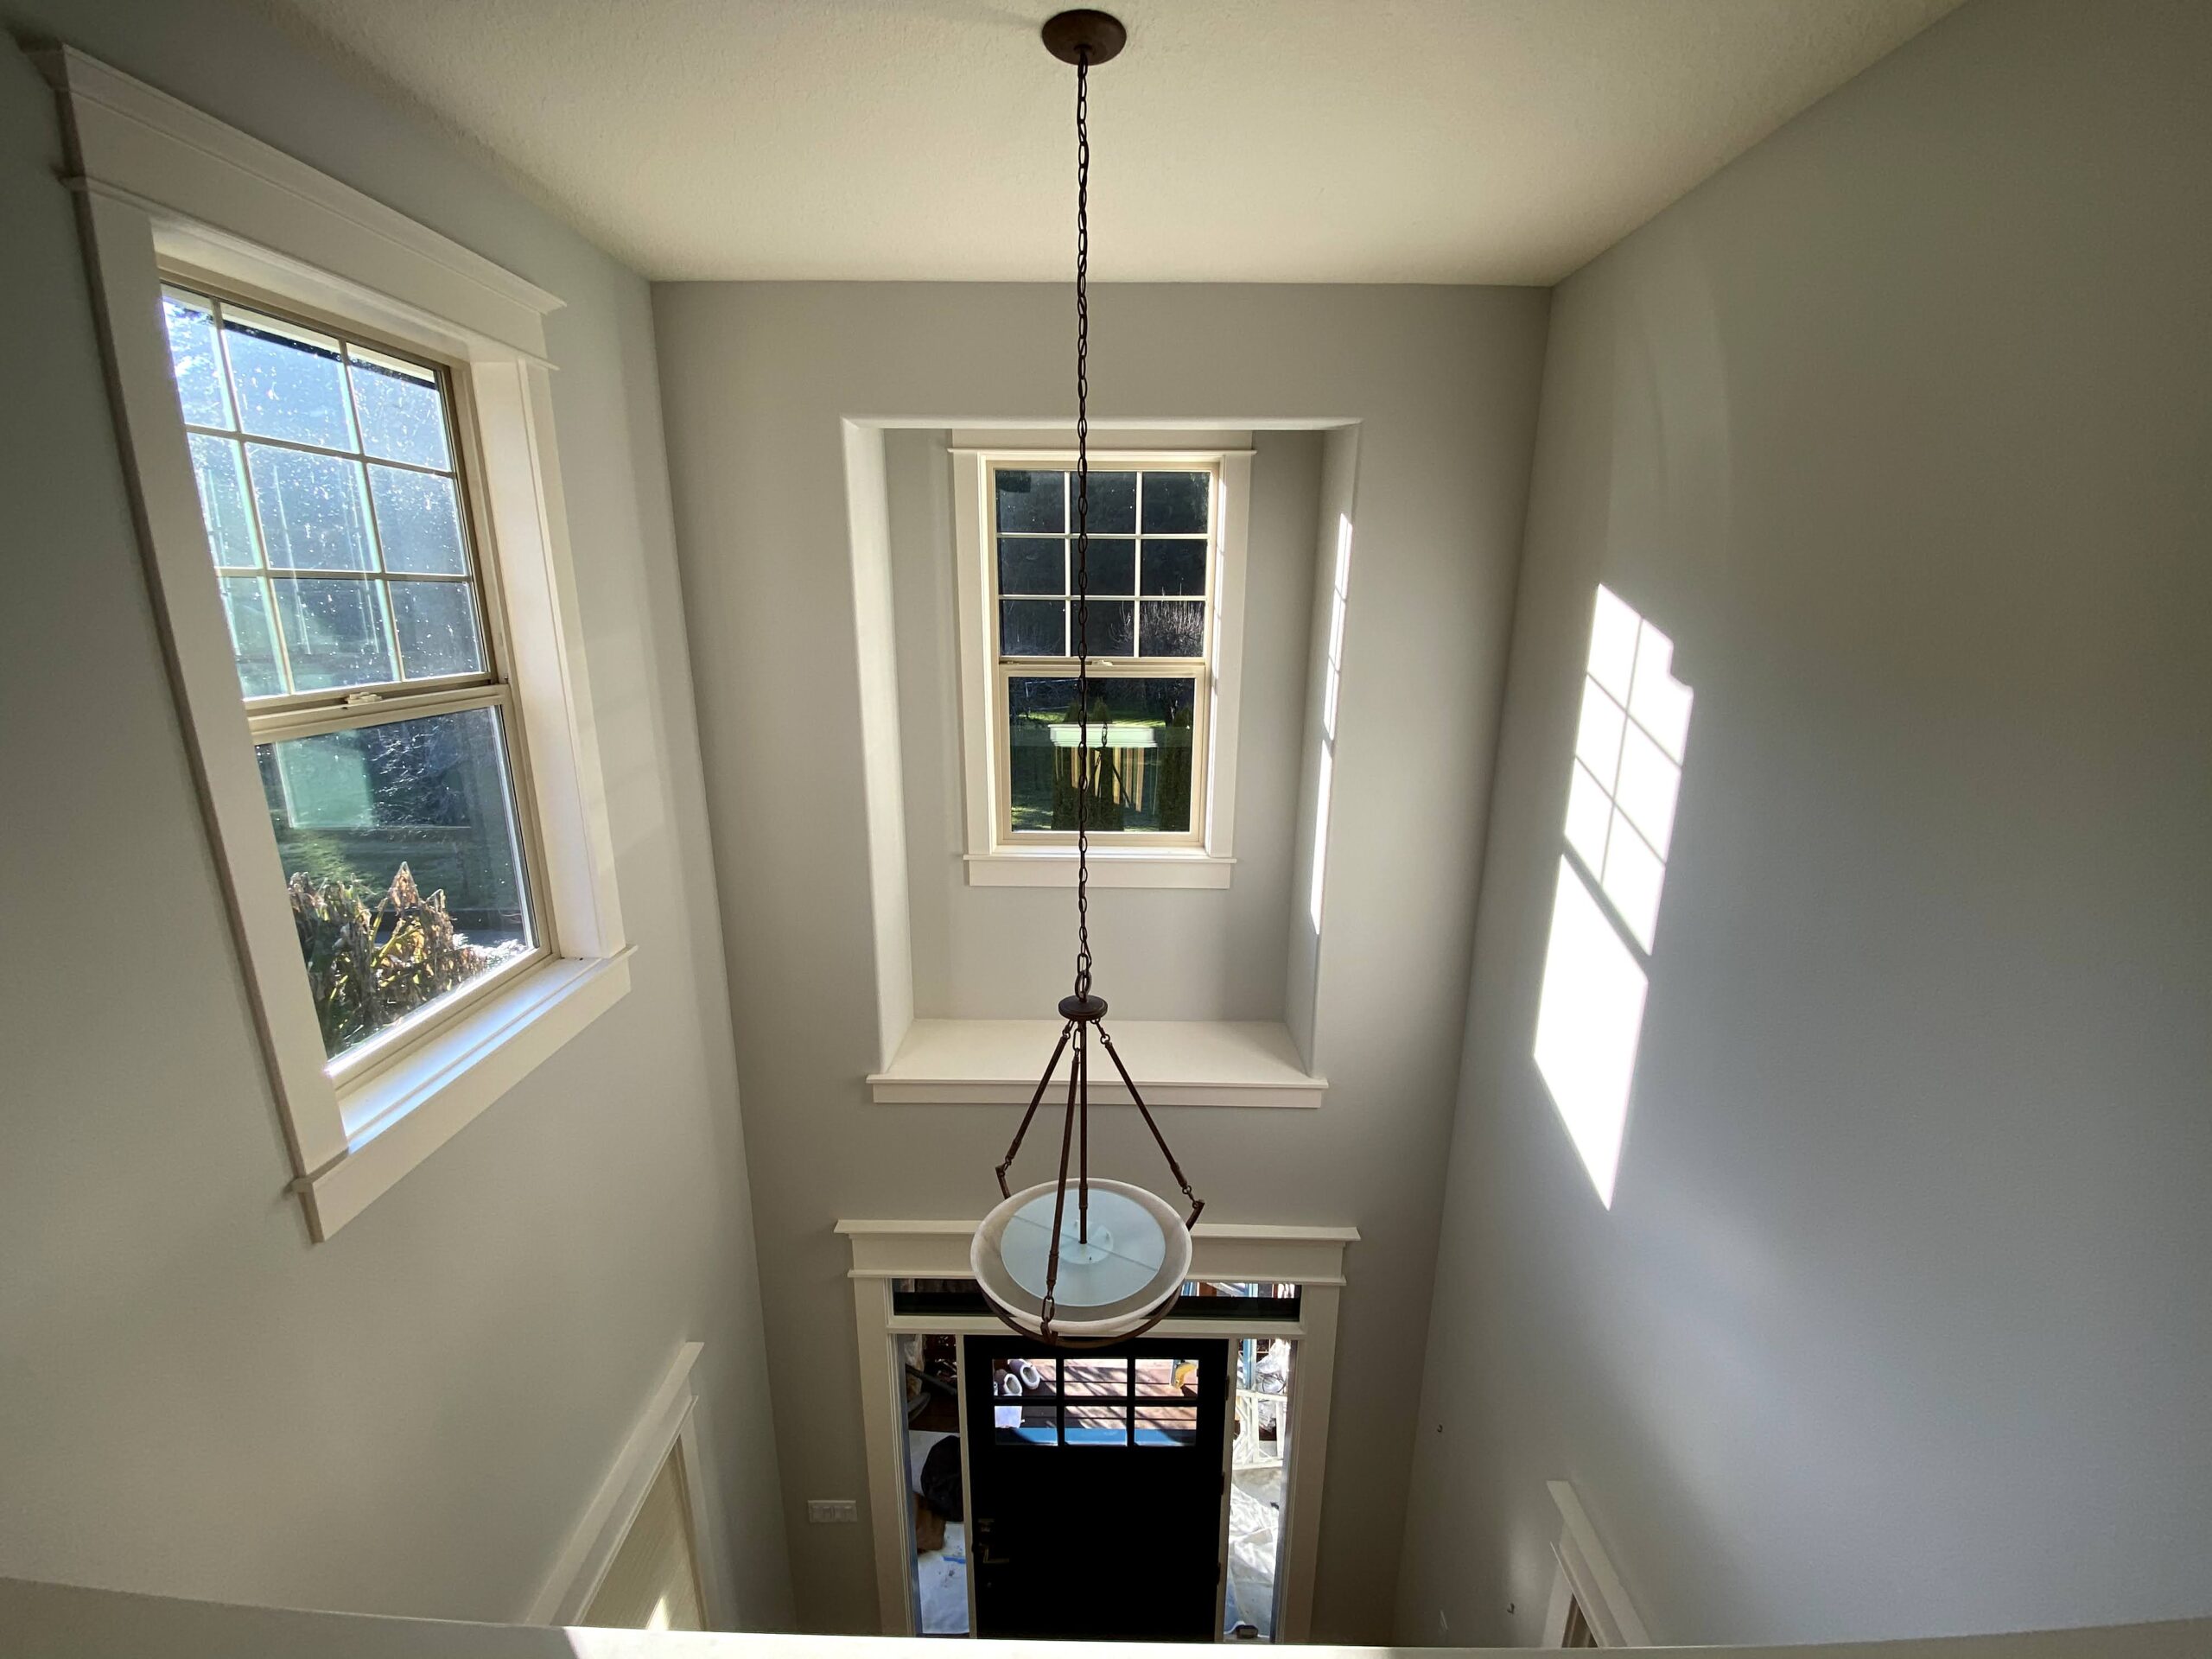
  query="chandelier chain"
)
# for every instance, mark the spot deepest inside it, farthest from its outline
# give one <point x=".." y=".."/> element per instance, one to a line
<point x="1082" y="522"/>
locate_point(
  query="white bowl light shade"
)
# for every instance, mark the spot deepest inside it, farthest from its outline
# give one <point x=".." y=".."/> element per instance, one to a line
<point x="1138" y="1256"/>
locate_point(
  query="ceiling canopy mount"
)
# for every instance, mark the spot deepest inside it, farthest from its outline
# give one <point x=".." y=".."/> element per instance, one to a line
<point x="1069" y="35"/>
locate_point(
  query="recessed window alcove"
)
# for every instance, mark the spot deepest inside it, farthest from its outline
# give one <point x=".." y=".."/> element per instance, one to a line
<point x="1212" y="977"/>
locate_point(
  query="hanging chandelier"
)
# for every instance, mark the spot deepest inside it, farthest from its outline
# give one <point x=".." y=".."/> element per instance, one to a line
<point x="1082" y="1262"/>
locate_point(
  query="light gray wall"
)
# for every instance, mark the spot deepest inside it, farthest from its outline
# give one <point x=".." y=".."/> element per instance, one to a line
<point x="757" y="379"/>
<point x="193" y="1398"/>
<point x="980" y="953"/>
<point x="1898" y="1322"/>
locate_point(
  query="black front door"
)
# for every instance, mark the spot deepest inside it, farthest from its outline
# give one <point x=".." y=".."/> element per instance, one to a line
<point x="1096" y="1488"/>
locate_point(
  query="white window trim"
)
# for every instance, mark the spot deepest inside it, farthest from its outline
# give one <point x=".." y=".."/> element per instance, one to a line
<point x="159" y="182"/>
<point x="1311" y="1257"/>
<point x="1584" y="1574"/>
<point x="669" y="1423"/>
<point x="990" y="859"/>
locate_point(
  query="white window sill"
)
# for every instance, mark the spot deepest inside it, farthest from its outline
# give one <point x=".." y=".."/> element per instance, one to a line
<point x="408" y="1110"/>
<point x="1175" y="1063"/>
<point x="1054" y="867"/>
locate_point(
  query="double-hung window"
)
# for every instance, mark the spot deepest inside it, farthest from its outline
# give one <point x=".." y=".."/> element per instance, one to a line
<point x="329" y="472"/>
<point x="1161" y="621"/>
<point x="340" y="436"/>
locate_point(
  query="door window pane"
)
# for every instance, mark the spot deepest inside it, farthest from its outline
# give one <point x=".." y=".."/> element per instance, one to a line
<point x="436" y="625"/>
<point x="1141" y="752"/>
<point x="1098" y="1376"/>
<point x="290" y="381"/>
<point x="1169" y="1377"/>
<point x="1167" y="1424"/>
<point x="401" y="860"/>
<point x="313" y="509"/>
<point x="1098" y="1425"/>
<point x="334" y="633"/>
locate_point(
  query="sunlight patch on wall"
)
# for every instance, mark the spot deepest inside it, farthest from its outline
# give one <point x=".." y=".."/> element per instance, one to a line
<point x="1621" y="794"/>
<point x="1332" y="677"/>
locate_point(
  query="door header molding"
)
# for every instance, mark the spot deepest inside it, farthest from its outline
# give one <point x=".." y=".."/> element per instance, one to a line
<point x="1232" y="1251"/>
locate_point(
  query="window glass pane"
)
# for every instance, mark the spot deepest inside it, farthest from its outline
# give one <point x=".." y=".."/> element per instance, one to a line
<point x="290" y="380"/>
<point x="1171" y="1377"/>
<point x="245" y="604"/>
<point x="313" y="509"/>
<point x="1032" y="627"/>
<point x="1598" y="741"/>
<point x="195" y="358"/>
<point x="1113" y="566"/>
<point x="418" y="522"/>
<point x="1113" y="502"/>
<point x="334" y="633"/>
<point x="1111" y="630"/>
<point x="1032" y="564"/>
<point x="1098" y="1376"/>
<point x="1023" y="1410"/>
<point x="1099" y="1425"/>
<point x="1035" y="501"/>
<point x="1141" y="752"/>
<point x="1176" y="501"/>
<point x="1175" y="567"/>
<point x="399" y="851"/>
<point x="220" y="470"/>
<point x="436" y="625"/>
<point x="1174" y="628"/>
<point x="1167" y="1424"/>
<point x="402" y="417"/>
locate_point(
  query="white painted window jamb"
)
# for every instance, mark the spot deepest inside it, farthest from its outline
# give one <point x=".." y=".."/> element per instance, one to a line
<point x="1585" y="1576"/>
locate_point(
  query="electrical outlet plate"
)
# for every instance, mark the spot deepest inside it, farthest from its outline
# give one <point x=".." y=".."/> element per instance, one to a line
<point x="833" y="1511"/>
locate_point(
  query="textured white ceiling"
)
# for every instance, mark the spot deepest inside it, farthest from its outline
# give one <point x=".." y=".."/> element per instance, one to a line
<point x="1443" y="141"/>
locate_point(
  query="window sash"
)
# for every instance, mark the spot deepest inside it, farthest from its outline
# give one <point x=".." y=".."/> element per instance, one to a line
<point x="1111" y="462"/>
<point x="463" y="444"/>
<point x="1155" y="668"/>
<point x="379" y="1051"/>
